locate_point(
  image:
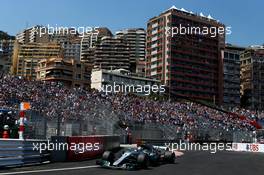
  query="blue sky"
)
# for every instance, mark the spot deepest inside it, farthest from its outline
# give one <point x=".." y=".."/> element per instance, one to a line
<point x="245" y="17"/>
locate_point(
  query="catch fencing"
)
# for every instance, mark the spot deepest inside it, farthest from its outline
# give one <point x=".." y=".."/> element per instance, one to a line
<point x="105" y="122"/>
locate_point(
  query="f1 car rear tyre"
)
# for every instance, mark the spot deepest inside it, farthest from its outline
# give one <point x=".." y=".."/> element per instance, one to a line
<point x="108" y="156"/>
<point x="169" y="157"/>
<point x="143" y="160"/>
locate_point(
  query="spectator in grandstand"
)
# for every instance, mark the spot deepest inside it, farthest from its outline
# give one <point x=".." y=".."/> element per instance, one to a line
<point x="53" y="100"/>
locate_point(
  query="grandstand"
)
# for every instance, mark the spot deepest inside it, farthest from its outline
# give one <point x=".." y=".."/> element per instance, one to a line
<point x="57" y="110"/>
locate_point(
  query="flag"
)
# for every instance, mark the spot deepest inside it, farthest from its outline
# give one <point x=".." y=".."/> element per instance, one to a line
<point x="24" y="106"/>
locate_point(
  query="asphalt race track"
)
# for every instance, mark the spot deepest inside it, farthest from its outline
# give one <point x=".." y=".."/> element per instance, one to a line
<point x="192" y="163"/>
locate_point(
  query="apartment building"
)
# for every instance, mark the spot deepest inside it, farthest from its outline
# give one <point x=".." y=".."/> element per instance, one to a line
<point x="191" y="65"/>
<point x="32" y="35"/>
<point x="232" y="75"/>
<point x="111" y="53"/>
<point x="27" y="56"/>
<point x="69" y="72"/>
<point x="70" y="43"/>
<point x="252" y="77"/>
<point x="136" y="39"/>
<point x="90" y="39"/>
<point x="6" y="52"/>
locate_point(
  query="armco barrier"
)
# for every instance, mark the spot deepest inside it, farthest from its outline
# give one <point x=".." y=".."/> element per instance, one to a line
<point x="248" y="147"/>
<point x="14" y="152"/>
<point x="83" y="147"/>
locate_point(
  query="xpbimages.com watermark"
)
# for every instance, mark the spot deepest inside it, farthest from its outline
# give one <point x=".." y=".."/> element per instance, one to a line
<point x="211" y="31"/>
<point x="64" y="30"/>
<point x="127" y="88"/>
<point x="212" y="147"/>
<point x="77" y="148"/>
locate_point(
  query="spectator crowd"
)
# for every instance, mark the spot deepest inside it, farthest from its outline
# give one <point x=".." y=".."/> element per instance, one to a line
<point x="53" y="99"/>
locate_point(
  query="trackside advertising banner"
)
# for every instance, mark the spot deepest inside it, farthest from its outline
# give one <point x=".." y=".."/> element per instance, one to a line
<point x="83" y="147"/>
<point x="248" y="147"/>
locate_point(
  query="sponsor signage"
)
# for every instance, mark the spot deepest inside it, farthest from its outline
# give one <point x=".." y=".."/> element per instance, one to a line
<point x="248" y="147"/>
<point x="85" y="147"/>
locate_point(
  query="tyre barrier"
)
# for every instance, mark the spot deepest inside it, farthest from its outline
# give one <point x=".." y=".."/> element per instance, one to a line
<point x="15" y="152"/>
<point x="82" y="147"/>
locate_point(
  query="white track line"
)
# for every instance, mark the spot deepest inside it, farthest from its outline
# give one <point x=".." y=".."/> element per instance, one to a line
<point x="50" y="170"/>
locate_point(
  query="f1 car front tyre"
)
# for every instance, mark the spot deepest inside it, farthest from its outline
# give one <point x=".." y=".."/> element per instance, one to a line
<point x="108" y="156"/>
<point x="143" y="160"/>
<point x="169" y="157"/>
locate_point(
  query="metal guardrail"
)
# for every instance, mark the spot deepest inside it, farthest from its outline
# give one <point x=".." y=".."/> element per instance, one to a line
<point x="14" y="152"/>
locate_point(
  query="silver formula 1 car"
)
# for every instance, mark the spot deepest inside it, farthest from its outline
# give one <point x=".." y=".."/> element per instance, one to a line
<point x="137" y="158"/>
